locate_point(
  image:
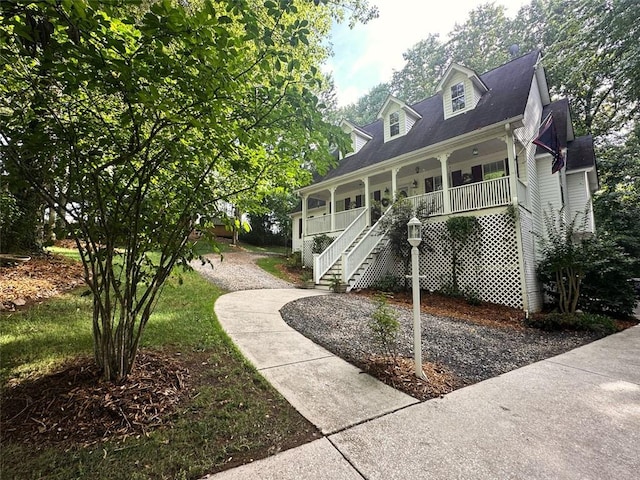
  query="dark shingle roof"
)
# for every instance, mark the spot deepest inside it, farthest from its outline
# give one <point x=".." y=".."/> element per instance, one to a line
<point x="509" y="87"/>
<point x="580" y="153"/>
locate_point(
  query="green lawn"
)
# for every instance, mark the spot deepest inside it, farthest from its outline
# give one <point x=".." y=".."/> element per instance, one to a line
<point x="234" y="415"/>
<point x="270" y="264"/>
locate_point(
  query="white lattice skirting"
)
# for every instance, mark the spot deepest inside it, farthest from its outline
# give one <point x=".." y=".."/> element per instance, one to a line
<point x="489" y="268"/>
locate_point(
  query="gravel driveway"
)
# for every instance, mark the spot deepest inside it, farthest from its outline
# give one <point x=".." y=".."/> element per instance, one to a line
<point x="238" y="271"/>
<point x="472" y="352"/>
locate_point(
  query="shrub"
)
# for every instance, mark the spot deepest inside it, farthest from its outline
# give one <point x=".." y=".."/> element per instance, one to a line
<point x="388" y="283"/>
<point x="606" y="287"/>
<point x="385" y="327"/>
<point x="572" y="321"/>
<point x="321" y="242"/>
<point x="295" y="260"/>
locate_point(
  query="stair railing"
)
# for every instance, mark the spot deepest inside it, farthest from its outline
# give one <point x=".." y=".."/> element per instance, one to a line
<point x="323" y="262"/>
<point x="352" y="260"/>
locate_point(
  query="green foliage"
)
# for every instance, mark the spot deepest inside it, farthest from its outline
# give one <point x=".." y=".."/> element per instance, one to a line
<point x="563" y="263"/>
<point x="321" y="243"/>
<point x="385" y="327"/>
<point x="336" y="284"/>
<point x="134" y="120"/>
<point x="388" y="283"/>
<point x="606" y="287"/>
<point x="573" y="321"/>
<point x="295" y="260"/>
<point x="460" y="231"/>
<point x="395" y="225"/>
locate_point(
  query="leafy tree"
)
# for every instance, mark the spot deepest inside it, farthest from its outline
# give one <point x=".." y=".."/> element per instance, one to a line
<point x="482" y="42"/>
<point x="153" y="113"/>
<point x="562" y="267"/>
<point x="366" y="109"/>
<point x="426" y="63"/>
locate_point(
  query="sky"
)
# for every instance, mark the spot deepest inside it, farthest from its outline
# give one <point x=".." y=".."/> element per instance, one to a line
<point x="368" y="54"/>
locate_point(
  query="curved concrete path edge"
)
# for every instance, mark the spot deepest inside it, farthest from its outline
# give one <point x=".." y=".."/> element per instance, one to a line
<point x="573" y="416"/>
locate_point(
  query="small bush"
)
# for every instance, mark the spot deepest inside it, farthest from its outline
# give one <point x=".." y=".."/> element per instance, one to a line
<point x="388" y="283"/>
<point x="573" y="321"/>
<point x="295" y="260"/>
<point x="321" y="242"/>
<point x="385" y="327"/>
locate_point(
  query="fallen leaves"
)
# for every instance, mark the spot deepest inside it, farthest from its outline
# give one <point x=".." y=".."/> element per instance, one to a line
<point x="75" y="406"/>
<point x="38" y="279"/>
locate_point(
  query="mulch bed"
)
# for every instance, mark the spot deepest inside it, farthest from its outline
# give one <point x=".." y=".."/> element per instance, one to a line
<point x="399" y="373"/>
<point x="37" y="279"/>
<point x="75" y="406"/>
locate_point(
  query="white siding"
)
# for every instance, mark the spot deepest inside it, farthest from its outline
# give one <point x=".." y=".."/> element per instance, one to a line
<point x="469" y="99"/>
<point x="549" y="188"/>
<point x="296" y="242"/>
<point x="358" y="142"/>
<point x="579" y="201"/>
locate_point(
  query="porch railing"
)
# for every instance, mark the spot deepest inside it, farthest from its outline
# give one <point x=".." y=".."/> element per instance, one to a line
<point x="491" y="193"/>
<point x="434" y="202"/>
<point x="322" y="224"/>
<point x="352" y="260"/>
<point x="323" y="262"/>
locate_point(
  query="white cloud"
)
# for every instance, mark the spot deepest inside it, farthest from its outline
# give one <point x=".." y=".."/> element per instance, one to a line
<point x="367" y="55"/>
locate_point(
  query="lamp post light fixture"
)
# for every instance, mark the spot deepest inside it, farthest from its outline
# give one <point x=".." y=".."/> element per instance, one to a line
<point x="414" y="237"/>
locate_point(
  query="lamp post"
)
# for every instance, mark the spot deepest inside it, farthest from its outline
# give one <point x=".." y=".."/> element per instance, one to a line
<point x="414" y="237"/>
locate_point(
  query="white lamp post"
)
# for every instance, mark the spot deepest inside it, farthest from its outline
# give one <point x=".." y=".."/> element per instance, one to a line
<point x="414" y="236"/>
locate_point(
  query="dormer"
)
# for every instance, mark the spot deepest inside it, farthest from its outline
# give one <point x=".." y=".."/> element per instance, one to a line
<point x="398" y="118"/>
<point x="359" y="137"/>
<point x="461" y="90"/>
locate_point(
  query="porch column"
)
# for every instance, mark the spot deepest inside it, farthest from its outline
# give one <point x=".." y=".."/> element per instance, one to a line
<point x="366" y="201"/>
<point x="304" y="216"/>
<point x="513" y="169"/>
<point x="394" y="183"/>
<point x="332" y="207"/>
<point x="444" y="169"/>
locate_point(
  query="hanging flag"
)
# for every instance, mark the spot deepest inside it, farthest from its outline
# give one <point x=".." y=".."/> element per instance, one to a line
<point x="547" y="139"/>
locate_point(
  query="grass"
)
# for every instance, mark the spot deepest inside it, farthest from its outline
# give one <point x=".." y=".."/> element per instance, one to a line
<point x="278" y="249"/>
<point x="270" y="265"/>
<point x="233" y="417"/>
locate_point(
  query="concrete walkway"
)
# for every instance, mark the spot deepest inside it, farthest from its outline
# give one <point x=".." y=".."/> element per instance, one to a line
<point x="574" y="416"/>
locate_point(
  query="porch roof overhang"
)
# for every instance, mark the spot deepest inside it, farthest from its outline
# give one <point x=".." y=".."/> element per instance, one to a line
<point x="455" y="143"/>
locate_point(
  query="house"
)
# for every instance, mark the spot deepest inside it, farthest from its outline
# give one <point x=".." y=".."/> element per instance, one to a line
<point x="467" y="150"/>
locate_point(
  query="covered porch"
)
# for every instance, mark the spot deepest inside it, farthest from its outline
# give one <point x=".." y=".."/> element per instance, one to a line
<point x="479" y="176"/>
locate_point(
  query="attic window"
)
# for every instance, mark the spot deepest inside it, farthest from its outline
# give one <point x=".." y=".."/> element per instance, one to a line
<point x="394" y="124"/>
<point x="457" y="97"/>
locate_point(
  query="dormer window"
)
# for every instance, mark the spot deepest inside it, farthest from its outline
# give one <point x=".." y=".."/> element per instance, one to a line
<point x="394" y="124"/>
<point x="457" y="97"/>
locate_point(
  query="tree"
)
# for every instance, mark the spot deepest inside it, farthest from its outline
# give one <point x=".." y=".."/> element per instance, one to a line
<point x="426" y="63"/>
<point x="482" y="42"/>
<point x="153" y="113"/>
<point x="366" y="109"/>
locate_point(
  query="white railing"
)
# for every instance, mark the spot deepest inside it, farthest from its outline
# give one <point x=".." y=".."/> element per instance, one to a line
<point x="434" y="202"/>
<point x="491" y="193"/>
<point x="318" y="224"/>
<point x="352" y="260"/>
<point x="323" y="262"/>
<point x="344" y="218"/>
<point x="322" y="224"/>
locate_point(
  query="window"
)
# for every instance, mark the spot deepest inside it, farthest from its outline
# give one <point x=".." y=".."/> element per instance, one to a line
<point x="394" y="124"/>
<point x="358" y="201"/>
<point x="457" y="97"/>
<point x="432" y="184"/>
<point x="493" y="170"/>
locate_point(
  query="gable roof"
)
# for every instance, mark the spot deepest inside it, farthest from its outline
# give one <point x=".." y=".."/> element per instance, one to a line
<point x="508" y="86"/>
<point x="400" y="103"/>
<point x="456" y="67"/>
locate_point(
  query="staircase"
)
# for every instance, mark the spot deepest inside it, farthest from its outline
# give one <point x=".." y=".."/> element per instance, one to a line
<point x="336" y="268"/>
